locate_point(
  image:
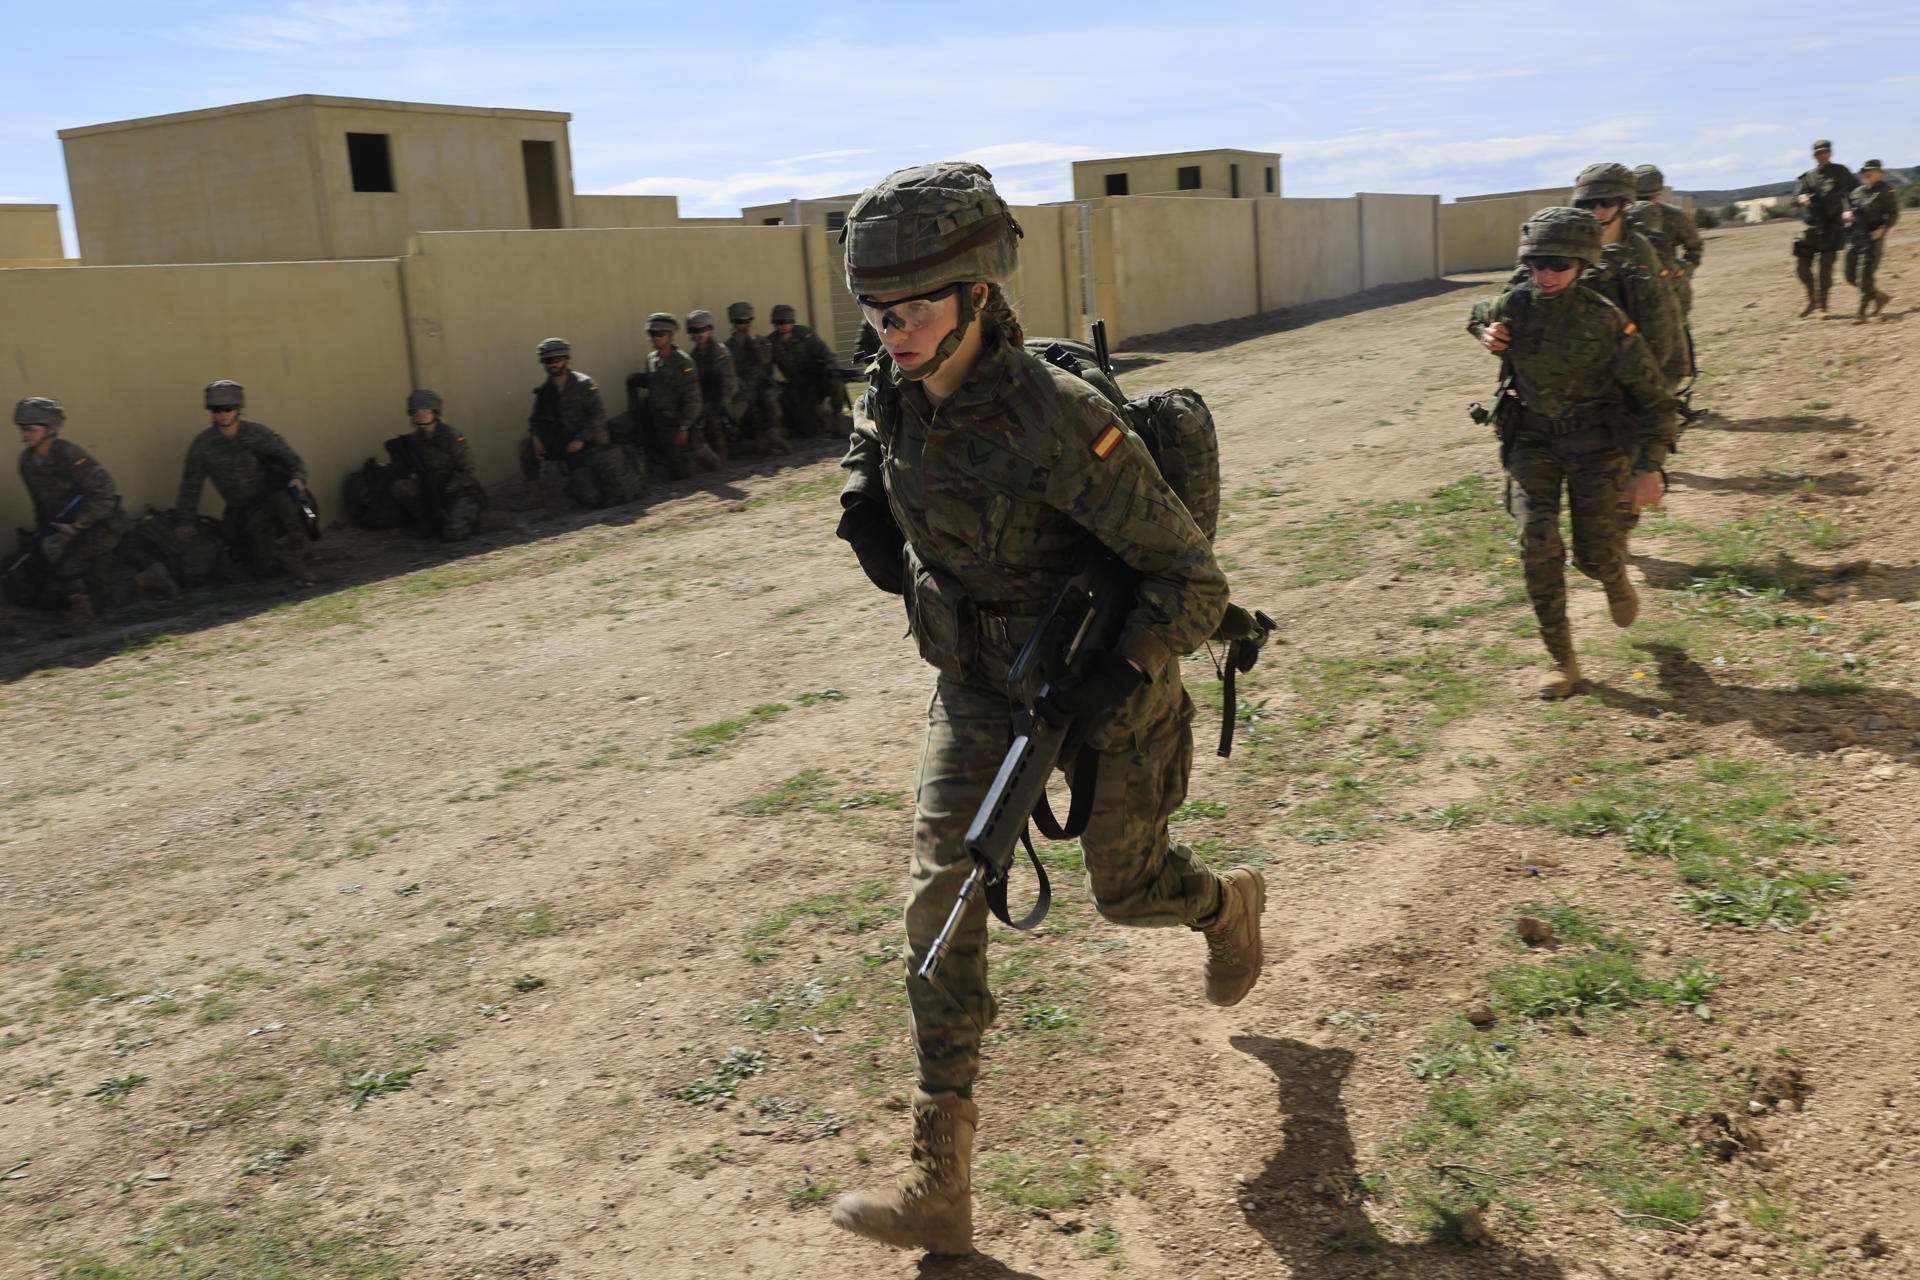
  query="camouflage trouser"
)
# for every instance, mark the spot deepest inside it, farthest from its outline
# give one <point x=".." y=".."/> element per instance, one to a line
<point x="1683" y="287"/>
<point x="259" y="529"/>
<point x="717" y="427"/>
<point x="75" y="562"/>
<point x="1826" y="242"/>
<point x="759" y="418"/>
<point x="804" y="408"/>
<point x="556" y="452"/>
<point x="1135" y="874"/>
<point x="1596" y="479"/>
<point x="459" y="509"/>
<point x="1863" y="263"/>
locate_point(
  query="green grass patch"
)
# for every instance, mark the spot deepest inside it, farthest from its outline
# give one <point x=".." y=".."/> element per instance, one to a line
<point x="873" y="905"/>
<point x="251" y="1242"/>
<point x="710" y="739"/>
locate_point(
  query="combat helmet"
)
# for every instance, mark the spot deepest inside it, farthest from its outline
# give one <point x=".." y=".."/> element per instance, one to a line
<point x="423" y="399"/>
<point x="699" y="320"/>
<point x="740" y="311"/>
<point x="1560" y="232"/>
<point x="39" y="411"/>
<point x="920" y="228"/>
<point x="1648" y="181"/>
<point x="782" y="313"/>
<point x="226" y="394"/>
<point x="1604" y="182"/>
<point x="550" y="348"/>
<point x="662" y="322"/>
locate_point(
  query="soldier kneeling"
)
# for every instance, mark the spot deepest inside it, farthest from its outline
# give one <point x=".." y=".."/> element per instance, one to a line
<point x="77" y="512"/>
<point x="439" y="492"/>
<point x="261" y="479"/>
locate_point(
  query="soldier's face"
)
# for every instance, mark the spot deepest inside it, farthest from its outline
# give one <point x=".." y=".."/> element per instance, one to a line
<point x="1821" y="157"/>
<point x="556" y="366"/>
<point x="1551" y="282"/>
<point x="1869" y="176"/>
<point x="701" y="336"/>
<point x="661" y="339"/>
<point x="227" y="421"/>
<point x="743" y="328"/>
<point x="33" y="434"/>
<point x="423" y="417"/>
<point x="783" y="327"/>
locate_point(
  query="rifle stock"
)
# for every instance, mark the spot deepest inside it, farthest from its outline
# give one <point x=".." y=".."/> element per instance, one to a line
<point x="46" y="530"/>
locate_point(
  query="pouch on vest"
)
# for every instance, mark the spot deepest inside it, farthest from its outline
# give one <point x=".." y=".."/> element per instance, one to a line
<point x="942" y="616"/>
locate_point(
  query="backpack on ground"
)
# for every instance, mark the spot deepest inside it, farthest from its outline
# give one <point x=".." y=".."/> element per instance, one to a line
<point x="369" y="495"/>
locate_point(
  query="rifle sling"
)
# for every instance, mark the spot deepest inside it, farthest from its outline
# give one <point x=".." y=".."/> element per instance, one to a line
<point x="997" y="891"/>
<point x="1086" y="773"/>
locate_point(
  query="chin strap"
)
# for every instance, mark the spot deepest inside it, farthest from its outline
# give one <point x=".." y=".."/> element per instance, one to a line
<point x="950" y="343"/>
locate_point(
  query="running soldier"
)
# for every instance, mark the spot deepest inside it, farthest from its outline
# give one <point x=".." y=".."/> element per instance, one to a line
<point x="1672" y="231"/>
<point x="1872" y="208"/>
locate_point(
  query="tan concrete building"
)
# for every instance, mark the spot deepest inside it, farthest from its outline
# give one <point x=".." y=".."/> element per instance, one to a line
<point x="310" y="177"/>
<point x="30" y="233"/>
<point x="1233" y="175"/>
<point x="827" y="211"/>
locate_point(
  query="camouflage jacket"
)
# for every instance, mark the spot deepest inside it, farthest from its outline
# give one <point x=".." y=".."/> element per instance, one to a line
<point x="54" y="480"/>
<point x="572" y="411"/>
<point x="800" y="354"/>
<point x="1873" y="207"/>
<point x="1828" y="184"/>
<point x="752" y="360"/>
<point x="1672" y="231"/>
<point x="673" y="390"/>
<point x="718" y="384"/>
<point x="1003" y="484"/>
<point x="1633" y="278"/>
<point x="445" y="455"/>
<point x="1577" y="361"/>
<point x="239" y="468"/>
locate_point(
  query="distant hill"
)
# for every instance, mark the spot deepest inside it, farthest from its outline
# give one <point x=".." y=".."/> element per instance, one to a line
<point x="1714" y="199"/>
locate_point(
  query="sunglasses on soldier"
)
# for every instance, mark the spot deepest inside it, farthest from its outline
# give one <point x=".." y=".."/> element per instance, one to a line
<point x="1595" y="204"/>
<point x="905" y="314"/>
<point x="1548" y="263"/>
<point x="702" y="328"/>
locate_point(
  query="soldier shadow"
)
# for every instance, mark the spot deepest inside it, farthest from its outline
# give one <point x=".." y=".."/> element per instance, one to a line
<point x="1778" y="424"/>
<point x="975" y="1266"/>
<point x="1223" y="333"/>
<point x="1796" y="722"/>
<point x="1307" y="1202"/>
<point x="1806" y="584"/>
<point x="1831" y="484"/>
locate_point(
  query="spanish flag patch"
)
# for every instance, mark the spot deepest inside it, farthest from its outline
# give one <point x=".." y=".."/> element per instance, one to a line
<point x="1631" y="328"/>
<point x="1109" y="441"/>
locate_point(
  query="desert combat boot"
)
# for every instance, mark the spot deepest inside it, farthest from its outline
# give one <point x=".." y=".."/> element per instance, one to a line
<point x="1623" y="603"/>
<point x="930" y="1206"/>
<point x="1234" y="951"/>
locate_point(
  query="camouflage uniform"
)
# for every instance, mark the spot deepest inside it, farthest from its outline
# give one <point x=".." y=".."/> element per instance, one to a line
<point x="74" y="561"/>
<point x="1825" y="233"/>
<point x="453" y="512"/>
<point x="1631" y="277"/>
<point x="805" y="364"/>
<point x="262" y="523"/>
<point x="599" y="474"/>
<point x="722" y="403"/>
<point x="1588" y="406"/>
<point x="673" y="406"/>
<point x="759" y="415"/>
<point x="1673" y="234"/>
<point x="1874" y="208"/>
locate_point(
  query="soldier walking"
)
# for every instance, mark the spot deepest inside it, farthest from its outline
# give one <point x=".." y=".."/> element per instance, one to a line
<point x="673" y="401"/>
<point x="977" y="476"/>
<point x="1822" y="196"/>
<point x="721" y="400"/>
<point x="440" y="492"/>
<point x="1672" y="231"/>
<point x="1582" y="407"/>
<point x="1872" y="208"/>
<point x="753" y="362"/>
<point x="257" y="474"/>
<point x="75" y="508"/>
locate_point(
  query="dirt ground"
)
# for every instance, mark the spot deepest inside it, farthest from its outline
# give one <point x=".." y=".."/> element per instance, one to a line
<point x="602" y="824"/>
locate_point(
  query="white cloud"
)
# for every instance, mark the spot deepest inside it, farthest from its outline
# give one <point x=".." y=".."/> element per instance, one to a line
<point x="307" y="26"/>
<point x="725" y="195"/>
<point x="824" y="155"/>
<point x="1748" y="130"/>
<point x="1468" y="77"/>
<point x="1010" y="154"/>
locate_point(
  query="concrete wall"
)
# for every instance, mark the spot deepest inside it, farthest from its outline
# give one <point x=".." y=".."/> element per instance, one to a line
<point x="1161" y="264"/>
<point x="1542" y="197"/>
<point x="626" y="211"/>
<point x="1399" y="239"/>
<point x="794" y="213"/>
<point x="30" y="231"/>
<point x="321" y="348"/>
<point x="477" y="303"/>
<point x="1152" y="175"/>
<point x="1309" y="251"/>
<point x="270" y="181"/>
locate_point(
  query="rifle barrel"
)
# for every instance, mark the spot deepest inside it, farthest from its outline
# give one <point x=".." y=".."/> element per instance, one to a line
<point x="944" y="942"/>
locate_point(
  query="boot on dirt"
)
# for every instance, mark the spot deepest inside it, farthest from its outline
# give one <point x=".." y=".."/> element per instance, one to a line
<point x="80" y="616"/>
<point x="1623" y="603"/>
<point x="298" y="568"/>
<point x="772" y="442"/>
<point x="1860" y="317"/>
<point x="930" y="1206"/>
<point x="1234" y="951"/>
<point x="1824" y="313"/>
<point x="1880" y="301"/>
<point x="1813" y="300"/>
<point x="156" y="581"/>
<point x="707" y="457"/>
<point x="1564" y="681"/>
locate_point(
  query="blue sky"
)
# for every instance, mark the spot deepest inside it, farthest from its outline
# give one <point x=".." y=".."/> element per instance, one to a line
<point x="725" y="104"/>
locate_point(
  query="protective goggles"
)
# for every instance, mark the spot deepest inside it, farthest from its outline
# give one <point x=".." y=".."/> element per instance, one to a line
<point x="904" y="314"/>
<point x="1542" y="262"/>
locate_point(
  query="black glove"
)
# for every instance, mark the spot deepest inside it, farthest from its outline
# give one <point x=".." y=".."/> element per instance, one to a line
<point x="1108" y="681"/>
<point x="868" y="526"/>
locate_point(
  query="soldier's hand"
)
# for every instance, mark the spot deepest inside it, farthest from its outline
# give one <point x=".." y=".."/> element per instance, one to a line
<point x="539" y="451"/>
<point x="1494" y="337"/>
<point x="1107" y="683"/>
<point x="184" y="532"/>
<point x="680" y="438"/>
<point x="575" y="446"/>
<point x="298" y="485"/>
<point x="1876" y="233"/>
<point x="1803" y="198"/>
<point x="1647" y="490"/>
<point x="1847" y="217"/>
<point x="68" y="529"/>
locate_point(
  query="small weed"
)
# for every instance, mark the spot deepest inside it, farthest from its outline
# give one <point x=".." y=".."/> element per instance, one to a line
<point x="735" y="1065"/>
<point x="275" y="1158"/>
<point x="368" y="1085"/>
<point x="807" y="1192"/>
<point x="536" y="921"/>
<point x="528" y="982"/>
<point x="110" y="1091"/>
<point x="1565" y="985"/>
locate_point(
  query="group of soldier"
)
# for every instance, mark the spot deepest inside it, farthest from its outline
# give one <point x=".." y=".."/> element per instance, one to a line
<point x="1842" y="210"/>
<point x="693" y="408"/>
<point x="690" y="408"/>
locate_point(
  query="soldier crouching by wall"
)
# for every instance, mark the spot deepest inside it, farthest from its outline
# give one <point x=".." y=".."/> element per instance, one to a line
<point x="439" y="492"/>
<point x="805" y="364"/>
<point x="673" y="403"/>
<point x="257" y="474"/>
<point x="568" y="425"/>
<point x="722" y="401"/>
<point x="759" y="418"/>
<point x="76" y="512"/>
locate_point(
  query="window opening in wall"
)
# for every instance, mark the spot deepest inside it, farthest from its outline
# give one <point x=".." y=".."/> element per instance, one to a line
<point x="1233" y="181"/>
<point x="1269" y="179"/>
<point x="543" y="185"/>
<point x="1116" y="184"/>
<point x="771" y="222"/>
<point x="1189" y="177"/>
<point x="369" y="162"/>
<point x="836" y="220"/>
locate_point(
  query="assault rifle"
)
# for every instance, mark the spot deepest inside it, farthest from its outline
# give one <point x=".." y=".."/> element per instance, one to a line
<point x="1084" y="617"/>
<point x="46" y="531"/>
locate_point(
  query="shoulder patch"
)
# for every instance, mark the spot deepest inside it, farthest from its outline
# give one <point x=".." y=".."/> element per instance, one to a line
<point x="1107" y="441"/>
<point x="1631" y="328"/>
<point x="80" y="461"/>
<point x="592" y="385"/>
